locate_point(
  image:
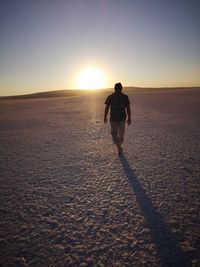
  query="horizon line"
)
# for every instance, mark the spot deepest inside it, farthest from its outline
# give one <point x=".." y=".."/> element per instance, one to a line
<point x="60" y="92"/>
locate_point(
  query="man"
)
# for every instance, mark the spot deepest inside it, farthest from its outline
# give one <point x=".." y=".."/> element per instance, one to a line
<point x="119" y="106"/>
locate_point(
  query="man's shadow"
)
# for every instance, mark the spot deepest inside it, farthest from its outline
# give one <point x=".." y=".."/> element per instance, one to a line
<point x="167" y="245"/>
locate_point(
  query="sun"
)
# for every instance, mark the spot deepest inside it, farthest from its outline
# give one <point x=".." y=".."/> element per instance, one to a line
<point x="91" y="78"/>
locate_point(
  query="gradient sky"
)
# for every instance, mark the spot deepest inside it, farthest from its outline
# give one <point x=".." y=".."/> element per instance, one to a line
<point x="45" y="43"/>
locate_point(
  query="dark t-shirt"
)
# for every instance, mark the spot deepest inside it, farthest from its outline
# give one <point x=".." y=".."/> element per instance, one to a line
<point x="118" y="103"/>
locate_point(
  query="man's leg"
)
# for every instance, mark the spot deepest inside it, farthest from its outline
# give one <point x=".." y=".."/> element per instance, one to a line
<point x="114" y="131"/>
<point x="115" y="135"/>
<point x="121" y="131"/>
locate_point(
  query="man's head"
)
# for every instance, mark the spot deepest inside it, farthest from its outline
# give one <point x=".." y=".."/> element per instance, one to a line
<point x="118" y="87"/>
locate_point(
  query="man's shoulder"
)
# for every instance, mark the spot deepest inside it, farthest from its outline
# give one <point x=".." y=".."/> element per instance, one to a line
<point x="108" y="99"/>
<point x="124" y="95"/>
<point x="117" y="94"/>
<point x="111" y="95"/>
<point x="114" y="96"/>
<point x="126" y="99"/>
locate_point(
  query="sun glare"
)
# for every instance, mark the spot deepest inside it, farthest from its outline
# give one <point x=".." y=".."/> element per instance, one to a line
<point x="91" y="78"/>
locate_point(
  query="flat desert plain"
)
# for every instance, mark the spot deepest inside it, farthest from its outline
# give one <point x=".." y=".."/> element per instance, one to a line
<point x="67" y="199"/>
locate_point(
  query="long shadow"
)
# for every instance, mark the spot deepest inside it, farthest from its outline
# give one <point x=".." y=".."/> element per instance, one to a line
<point x="168" y="248"/>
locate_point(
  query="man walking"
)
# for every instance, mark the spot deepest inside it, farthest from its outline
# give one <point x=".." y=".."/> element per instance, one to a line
<point x="119" y="106"/>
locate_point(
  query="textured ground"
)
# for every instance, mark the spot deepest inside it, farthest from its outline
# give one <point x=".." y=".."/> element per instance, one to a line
<point x="66" y="199"/>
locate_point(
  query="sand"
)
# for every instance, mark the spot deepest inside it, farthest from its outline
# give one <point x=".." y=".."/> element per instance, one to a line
<point x="67" y="199"/>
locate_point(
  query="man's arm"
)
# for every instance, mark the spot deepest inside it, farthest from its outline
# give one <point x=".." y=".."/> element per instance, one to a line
<point x="129" y="114"/>
<point x="106" y="113"/>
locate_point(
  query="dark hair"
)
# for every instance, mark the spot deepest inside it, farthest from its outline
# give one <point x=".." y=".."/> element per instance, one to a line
<point x="118" y="87"/>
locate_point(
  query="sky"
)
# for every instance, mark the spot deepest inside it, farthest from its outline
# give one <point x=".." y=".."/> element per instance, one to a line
<point x="44" y="44"/>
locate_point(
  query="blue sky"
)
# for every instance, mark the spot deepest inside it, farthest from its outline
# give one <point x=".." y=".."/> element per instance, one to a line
<point x="45" y="43"/>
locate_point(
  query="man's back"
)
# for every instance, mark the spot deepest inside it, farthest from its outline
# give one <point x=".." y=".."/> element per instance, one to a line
<point x="118" y="103"/>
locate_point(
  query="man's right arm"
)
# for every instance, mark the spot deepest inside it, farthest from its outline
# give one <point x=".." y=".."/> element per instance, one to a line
<point x="106" y="113"/>
<point x="129" y="114"/>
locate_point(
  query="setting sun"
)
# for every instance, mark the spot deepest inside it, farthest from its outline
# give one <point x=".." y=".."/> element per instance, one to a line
<point x="91" y="78"/>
